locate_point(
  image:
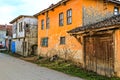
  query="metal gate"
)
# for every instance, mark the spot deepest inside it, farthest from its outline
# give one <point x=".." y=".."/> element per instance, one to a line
<point x="99" y="54"/>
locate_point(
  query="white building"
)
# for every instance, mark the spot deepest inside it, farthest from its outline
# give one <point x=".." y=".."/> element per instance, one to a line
<point x="21" y="28"/>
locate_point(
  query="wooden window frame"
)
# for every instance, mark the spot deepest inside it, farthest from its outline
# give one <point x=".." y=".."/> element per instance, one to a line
<point x="69" y="16"/>
<point x="62" y="40"/>
<point x="42" y="24"/>
<point x="44" y="42"/>
<point x="48" y="23"/>
<point x="61" y="19"/>
<point x="20" y="27"/>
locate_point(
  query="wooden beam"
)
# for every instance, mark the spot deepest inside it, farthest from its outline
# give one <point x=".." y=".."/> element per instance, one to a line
<point x="96" y="30"/>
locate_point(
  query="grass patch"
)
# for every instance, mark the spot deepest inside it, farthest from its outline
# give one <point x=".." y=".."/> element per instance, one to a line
<point x="71" y="69"/>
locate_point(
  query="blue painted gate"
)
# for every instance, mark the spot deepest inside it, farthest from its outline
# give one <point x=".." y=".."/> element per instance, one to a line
<point x="13" y="47"/>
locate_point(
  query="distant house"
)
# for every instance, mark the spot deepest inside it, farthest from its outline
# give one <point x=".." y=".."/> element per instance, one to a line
<point x="2" y="35"/>
<point x="24" y="37"/>
<point x="4" y="29"/>
<point x="8" y="37"/>
<point x="53" y="39"/>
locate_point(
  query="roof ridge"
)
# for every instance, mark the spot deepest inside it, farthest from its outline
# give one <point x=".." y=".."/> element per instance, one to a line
<point x="52" y="6"/>
<point x="20" y="17"/>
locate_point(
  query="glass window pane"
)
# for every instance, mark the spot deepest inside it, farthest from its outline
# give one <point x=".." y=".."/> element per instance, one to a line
<point x="61" y="19"/>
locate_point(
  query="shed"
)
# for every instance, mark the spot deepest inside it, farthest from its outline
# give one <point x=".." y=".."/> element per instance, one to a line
<point x="101" y="45"/>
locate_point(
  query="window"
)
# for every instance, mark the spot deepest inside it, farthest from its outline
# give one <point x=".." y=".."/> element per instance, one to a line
<point x="69" y="16"/>
<point x="42" y="24"/>
<point x="14" y="28"/>
<point x="62" y="40"/>
<point x="26" y="25"/>
<point x="44" y="42"/>
<point x="116" y="10"/>
<point x="20" y="27"/>
<point x="7" y="33"/>
<point x="47" y="23"/>
<point x="61" y="17"/>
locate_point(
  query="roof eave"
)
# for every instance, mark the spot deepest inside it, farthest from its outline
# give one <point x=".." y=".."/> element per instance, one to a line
<point x="11" y="22"/>
<point x="115" y="1"/>
<point x="114" y="20"/>
<point x="51" y="7"/>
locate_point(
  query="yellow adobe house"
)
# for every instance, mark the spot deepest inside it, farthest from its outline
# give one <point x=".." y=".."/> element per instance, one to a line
<point x="55" y="21"/>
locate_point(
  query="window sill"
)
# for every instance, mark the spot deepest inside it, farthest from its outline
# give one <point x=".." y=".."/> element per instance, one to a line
<point x="69" y="23"/>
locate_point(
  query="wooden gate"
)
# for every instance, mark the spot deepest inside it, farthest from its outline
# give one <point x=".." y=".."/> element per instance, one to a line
<point x="99" y="54"/>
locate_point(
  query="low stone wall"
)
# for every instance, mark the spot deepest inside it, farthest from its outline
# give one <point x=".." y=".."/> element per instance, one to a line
<point x="73" y="55"/>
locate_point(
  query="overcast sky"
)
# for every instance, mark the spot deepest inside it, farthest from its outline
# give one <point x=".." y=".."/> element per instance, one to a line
<point x="10" y="9"/>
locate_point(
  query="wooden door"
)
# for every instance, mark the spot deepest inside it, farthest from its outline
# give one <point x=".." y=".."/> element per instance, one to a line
<point x="99" y="54"/>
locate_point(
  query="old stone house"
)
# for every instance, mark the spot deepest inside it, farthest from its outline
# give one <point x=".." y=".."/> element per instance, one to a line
<point x="57" y="19"/>
<point x="24" y="40"/>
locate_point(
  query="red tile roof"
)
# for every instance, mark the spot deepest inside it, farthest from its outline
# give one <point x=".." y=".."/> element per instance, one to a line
<point x="6" y="28"/>
<point x="2" y="27"/>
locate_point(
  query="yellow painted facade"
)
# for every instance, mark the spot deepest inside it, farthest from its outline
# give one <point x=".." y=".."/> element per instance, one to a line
<point x="73" y="48"/>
